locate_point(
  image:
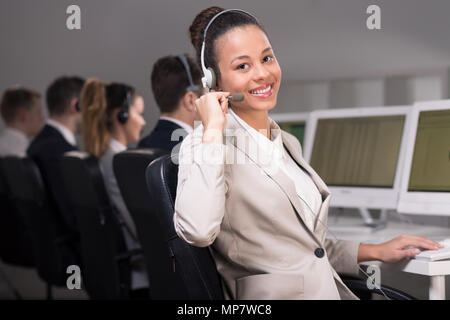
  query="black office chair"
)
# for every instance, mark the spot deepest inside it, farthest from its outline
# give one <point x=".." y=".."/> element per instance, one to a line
<point x="129" y="169"/>
<point x="191" y="270"/>
<point x="54" y="248"/>
<point x="107" y="272"/>
<point x="195" y="265"/>
<point x="15" y="241"/>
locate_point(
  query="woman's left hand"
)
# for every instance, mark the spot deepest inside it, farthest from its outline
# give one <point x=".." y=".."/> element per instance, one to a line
<point x="404" y="246"/>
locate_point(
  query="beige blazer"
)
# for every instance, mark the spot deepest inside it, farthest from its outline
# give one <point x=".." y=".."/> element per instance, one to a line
<point x="251" y="214"/>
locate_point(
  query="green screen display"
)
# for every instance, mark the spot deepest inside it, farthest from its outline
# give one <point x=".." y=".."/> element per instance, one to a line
<point x="296" y="128"/>
<point x="358" y="152"/>
<point x="430" y="169"/>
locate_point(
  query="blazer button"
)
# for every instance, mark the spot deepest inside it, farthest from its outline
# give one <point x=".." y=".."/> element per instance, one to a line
<point x="319" y="252"/>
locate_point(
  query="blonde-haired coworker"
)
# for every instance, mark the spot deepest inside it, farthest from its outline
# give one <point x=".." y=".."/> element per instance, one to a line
<point x="112" y="118"/>
<point x="244" y="187"/>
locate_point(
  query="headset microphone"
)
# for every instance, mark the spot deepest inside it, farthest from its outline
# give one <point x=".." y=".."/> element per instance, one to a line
<point x="237" y="97"/>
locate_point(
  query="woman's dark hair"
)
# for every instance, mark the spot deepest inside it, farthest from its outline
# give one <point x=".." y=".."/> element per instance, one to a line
<point x="60" y="92"/>
<point x="220" y="26"/>
<point x="98" y="101"/>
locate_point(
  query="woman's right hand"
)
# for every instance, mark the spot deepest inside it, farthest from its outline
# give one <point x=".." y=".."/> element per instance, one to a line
<point x="212" y="108"/>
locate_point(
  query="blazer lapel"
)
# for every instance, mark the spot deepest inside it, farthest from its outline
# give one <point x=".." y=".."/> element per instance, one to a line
<point x="294" y="149"/>
<point x="239" y="137"/>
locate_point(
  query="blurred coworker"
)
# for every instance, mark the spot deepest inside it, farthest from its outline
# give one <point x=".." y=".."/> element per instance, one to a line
<point x="112" y="118"/>
<point x="56" y="138"/>
<point x="176" y="85"/>
<point x="22" y="113"/>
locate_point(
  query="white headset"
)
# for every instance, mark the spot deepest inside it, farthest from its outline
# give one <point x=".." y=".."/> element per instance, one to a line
<point x="209" y="78"/>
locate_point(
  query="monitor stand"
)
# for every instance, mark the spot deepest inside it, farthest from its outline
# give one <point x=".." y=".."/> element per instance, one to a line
<point x="370" y="222"/>
<point x="368" y="225"/>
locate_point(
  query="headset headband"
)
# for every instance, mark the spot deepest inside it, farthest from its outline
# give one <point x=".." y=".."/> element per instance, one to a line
<point x="192" y="87"/>
<point x="205" y="81"/>
<point x="128" y="99"/>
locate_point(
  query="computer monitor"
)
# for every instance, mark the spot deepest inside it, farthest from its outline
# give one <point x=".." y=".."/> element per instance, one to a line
<point x="359" y="153"/>
<point x="294" y="123"/>
<point x="425" y="187"/>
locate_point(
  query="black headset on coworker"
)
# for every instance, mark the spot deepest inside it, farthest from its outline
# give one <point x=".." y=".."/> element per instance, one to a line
<point x="123" y="114"/>
<point x="192" y="87"/>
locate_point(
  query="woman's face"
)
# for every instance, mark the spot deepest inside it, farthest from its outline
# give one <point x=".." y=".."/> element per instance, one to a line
<point x="248" y="65"/>
<point x="135" y="121"/>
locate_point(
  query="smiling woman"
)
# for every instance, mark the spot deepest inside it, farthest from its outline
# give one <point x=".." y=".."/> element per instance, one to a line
<point x="266" y="220"/>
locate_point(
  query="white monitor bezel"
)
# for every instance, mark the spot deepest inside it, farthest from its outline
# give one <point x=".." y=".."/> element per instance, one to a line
<point x="362" y="197"/>
<point x="290" y="116"/>
<point x="416" y="202"/>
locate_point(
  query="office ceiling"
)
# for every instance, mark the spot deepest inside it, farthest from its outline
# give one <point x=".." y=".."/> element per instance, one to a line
<point x="313" y="39"/>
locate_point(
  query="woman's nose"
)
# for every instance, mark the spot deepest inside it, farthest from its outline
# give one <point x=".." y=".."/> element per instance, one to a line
<point x="260" y="71"/>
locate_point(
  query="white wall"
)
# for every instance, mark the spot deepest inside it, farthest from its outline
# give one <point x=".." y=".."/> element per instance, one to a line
<point x="351" y="93"/>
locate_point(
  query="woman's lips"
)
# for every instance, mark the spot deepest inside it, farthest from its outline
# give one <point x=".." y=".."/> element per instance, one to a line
<point x="263" y="91"/>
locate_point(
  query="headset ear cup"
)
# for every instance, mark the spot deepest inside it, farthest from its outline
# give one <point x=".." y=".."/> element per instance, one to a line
<point x="122" y="116"/>
<point x="213" y="79"/>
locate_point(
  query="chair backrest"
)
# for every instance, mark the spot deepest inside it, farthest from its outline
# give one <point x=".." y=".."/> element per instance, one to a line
<point x="101" y="237"/>
<point x="129" y="169"/>
<point x="15" y="241"/>
<point x="53" y="253"/>
<point x="193" y="265"/>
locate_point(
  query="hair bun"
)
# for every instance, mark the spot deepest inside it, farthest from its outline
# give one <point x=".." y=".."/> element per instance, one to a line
<point x="199" y="24"/>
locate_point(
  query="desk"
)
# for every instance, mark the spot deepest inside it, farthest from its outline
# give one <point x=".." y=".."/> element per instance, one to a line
<point x="347" y="228"/>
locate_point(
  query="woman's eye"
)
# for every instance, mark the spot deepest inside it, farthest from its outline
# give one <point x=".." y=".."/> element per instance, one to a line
<point x="242" y="66"/>
<point x="267" y="58"/>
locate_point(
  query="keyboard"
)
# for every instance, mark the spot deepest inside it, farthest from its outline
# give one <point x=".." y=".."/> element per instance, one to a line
<point x="436" y="255"/>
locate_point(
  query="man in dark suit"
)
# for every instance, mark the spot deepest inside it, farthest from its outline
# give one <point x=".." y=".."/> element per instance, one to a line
<point x="56" y="138"/>
<point x="176" y="84"/>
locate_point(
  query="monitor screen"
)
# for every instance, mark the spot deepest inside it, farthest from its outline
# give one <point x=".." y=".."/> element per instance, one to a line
<point x="430" y="168"/>
<point x="358" y="151"/>
<point x="296" y="128"/>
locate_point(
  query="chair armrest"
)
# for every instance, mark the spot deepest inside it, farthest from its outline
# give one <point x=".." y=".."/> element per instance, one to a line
<point x="357" y="285"/>
<point x="128" y="254"/>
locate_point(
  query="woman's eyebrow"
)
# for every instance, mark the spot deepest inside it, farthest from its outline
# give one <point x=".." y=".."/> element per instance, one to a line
<point x="244" y="57"/>
<point x="240" y="57"/>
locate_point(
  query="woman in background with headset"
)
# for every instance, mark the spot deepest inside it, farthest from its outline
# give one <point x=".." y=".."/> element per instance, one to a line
<point x="249" y="192"/>
<point x="112" y="118"/>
